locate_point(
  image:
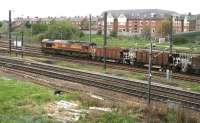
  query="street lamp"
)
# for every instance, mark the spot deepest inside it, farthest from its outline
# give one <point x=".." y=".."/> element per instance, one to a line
<point x="9" y="31"/>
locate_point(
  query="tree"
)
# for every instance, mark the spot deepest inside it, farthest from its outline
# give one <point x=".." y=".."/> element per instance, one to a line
<point x="1" y="24"/>
<point x="39" y="28"/>
<point x="165" y="27"/>
<point x="99" y="32"/>
<point x="28" y="25"/>
<point x="63" y="30"/>
<point x="84" y="24"/>
<point x="146" y="32"/>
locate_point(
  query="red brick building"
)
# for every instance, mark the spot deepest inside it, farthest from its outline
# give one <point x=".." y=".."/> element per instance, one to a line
<point x="135" y="21"/>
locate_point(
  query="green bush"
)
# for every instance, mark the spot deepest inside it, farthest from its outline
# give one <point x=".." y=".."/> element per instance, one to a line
<point x="64" y="30"/>
<point x="39" y="28"/>
<point x="28" y="25"/>
<point x="1" y="24"/>
<point x="113" y="33"/>
<point x="39" y="37"/>
<point x="99" y="32"/>
<point x="81" y="34"/>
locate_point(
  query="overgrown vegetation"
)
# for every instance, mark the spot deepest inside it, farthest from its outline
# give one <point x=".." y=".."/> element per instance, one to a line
<point x="22" y="101"/>
<point x="162" y="114"/>
<point x="3" y="27"/>
<point x="39" y="28"/>
<point x="1" y="24"/>
<point x="108" y="118"/>
<point x="34" y="33"/>
<point x="62" y="30"/>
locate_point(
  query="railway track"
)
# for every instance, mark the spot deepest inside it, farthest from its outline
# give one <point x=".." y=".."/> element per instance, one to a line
<point x="137" y="88"/>
<point x="36" y="51"/>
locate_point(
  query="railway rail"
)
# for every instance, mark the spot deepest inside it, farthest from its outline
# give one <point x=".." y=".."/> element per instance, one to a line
<point x="137" y="88"/>
<point x="36" y="51"/>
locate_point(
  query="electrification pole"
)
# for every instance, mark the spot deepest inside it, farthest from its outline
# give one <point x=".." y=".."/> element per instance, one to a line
<point x="61" y="35"/>
<point x="22" y="44"/>
<point x="105" y="38"/>
<point x="171" y="34"/>
<point x="150" y="74"/>
<point x="9" y="31"/>
<point x="171" y="44"/>
<point x="90" y="28"/>
<point x="150" y="61"/>
<point x="16" y="44"/>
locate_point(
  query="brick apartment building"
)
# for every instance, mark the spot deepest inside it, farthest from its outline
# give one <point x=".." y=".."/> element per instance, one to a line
<point x="83" y="22"/>
<point x="198" y="22"/>
<point x="135" y="21"/>
<point x="185" y="23"/>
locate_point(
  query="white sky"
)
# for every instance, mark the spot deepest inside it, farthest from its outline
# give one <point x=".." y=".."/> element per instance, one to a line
<point x="44" y="8"/>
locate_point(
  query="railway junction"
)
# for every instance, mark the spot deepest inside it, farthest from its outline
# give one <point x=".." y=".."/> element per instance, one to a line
<point x="79" y="81"/>
<point x="29" y="67"/>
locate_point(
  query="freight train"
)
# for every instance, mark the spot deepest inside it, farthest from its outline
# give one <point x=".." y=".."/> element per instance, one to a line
<point x="162" y="60"/>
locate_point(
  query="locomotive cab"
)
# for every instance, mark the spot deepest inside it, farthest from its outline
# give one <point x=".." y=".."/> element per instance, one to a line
<point x="47" y="43"/>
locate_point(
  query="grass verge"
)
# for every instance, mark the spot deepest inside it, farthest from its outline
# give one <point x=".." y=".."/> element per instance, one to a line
<point x="22" y="101"/>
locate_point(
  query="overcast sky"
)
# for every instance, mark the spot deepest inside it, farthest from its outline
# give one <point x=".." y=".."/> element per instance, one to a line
<point x="44" y="8"/>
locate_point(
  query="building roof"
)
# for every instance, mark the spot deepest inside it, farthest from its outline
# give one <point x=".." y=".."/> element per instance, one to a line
<point x="142" y="13"/>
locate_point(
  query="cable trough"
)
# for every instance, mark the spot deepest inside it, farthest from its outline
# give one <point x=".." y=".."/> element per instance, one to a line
<point x="137" y="88"/>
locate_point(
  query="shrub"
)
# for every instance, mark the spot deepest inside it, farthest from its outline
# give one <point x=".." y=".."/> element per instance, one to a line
<point x="113" y="33"/>
<point x="39" y="37"/>
<point x="99" y="32"/>
<point x="81" y="34"/>
<point x="64" y="30"/>
<point x="39" y="28"/>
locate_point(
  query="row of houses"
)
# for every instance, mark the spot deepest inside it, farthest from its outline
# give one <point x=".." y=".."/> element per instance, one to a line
<point x="128" y="21"/>
<point x="135" y="21"/>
